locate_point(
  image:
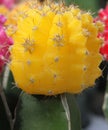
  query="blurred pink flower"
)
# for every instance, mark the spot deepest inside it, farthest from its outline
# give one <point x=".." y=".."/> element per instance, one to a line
<point x="103" y="16"/>
<point x="2" y="19"/>
<point x="5" y="43"/>
<point x="8" y="3"/>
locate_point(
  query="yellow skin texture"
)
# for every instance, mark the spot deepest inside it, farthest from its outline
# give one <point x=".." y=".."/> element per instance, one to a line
<point x="55" y="50"/>
<point x="14" y="15"/>
<point x="3" y="10"/>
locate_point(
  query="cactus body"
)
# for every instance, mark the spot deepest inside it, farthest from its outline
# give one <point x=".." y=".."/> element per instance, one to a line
<point x="55" y="50"/>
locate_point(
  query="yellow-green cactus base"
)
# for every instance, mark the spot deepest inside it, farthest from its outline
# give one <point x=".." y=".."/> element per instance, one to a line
<point x="55" y="50"/>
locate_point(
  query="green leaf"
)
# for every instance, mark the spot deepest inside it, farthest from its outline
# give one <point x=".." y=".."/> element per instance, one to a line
<point x="47" y="113"/>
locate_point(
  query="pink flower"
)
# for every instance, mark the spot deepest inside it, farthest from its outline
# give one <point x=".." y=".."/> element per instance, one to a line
<point x="5" y="43"/>
<point x="2" y="19"/>
<point x="103" y="16"/>
<point x="104" y="51"/>
<point x="8" y="3"/>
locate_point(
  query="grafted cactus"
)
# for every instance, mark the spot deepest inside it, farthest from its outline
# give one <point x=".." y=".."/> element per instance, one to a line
<point x="55" y="52"/>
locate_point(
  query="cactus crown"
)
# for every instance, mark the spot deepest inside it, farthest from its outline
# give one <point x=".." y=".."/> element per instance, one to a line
<point x="56" y="49"/>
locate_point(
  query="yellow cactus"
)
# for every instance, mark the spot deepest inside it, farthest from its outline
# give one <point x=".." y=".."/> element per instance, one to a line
<point x="18" y="12"/>
<point x="55" y="50"/>
<point x="3" y="10"/>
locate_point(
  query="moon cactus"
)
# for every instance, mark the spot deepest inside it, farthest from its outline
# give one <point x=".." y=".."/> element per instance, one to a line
<point x="56" y="49"/>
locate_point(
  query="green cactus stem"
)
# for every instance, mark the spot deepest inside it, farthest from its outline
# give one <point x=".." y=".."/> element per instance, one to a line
<point x="48" y="113"/>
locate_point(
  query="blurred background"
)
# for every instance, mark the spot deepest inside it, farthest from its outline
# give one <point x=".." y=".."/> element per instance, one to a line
<point x="90" y="5"/>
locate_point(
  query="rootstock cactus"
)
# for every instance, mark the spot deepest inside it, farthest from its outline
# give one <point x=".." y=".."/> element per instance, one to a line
<point x="56" y="49"/>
